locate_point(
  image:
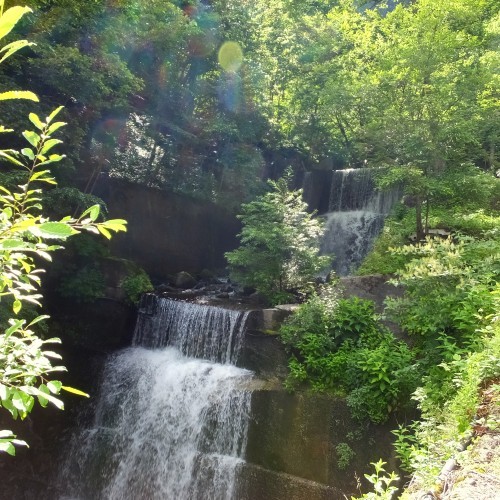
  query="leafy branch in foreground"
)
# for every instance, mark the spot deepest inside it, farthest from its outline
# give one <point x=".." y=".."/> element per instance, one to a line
<point x="26" y="237"/>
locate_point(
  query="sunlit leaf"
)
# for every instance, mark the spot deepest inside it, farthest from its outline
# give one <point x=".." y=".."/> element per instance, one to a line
<point x="92" y="212"/>
<point x="54" y="114"/>
<point x="16" y="306"/>
<point x="75" y="391"/>
<point x="32" y="137"/>
<point x="35" y="120"/>
<point x="10" y="18"/>
<point x="52" y="230"/>
<point x="55" y="126"/>
<point x="18" y="94"/>
<point x="49" y="145"/>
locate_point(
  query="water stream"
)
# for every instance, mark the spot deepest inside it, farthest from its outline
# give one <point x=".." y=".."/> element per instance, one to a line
<point x="356" y="215"/>
<point x="171" y="417"/>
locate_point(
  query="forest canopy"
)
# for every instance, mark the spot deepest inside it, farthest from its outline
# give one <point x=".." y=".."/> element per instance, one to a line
<point x="209" y="98"/>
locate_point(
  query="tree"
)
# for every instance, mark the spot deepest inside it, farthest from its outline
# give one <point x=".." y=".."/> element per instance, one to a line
<point x="26" y="237"/>
<point x="279" y="244"/>
<point x="419" y="81"/>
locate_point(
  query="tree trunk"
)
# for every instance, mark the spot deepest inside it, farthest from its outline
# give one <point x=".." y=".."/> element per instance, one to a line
<point x="418" y="219"/>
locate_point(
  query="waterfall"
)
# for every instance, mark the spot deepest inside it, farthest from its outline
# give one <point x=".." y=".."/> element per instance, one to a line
<point x="167" y="425"/>
<point x="356" y="215"/>
<point x="198" y="331"/>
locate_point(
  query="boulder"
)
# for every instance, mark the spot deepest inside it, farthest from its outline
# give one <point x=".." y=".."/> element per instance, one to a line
<point x="184" y="280"/>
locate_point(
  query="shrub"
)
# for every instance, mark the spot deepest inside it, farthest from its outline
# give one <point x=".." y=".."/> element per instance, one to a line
<point x="135" y="285"/>
<point x="337" y="345"/>
<point x="279" y="251"/>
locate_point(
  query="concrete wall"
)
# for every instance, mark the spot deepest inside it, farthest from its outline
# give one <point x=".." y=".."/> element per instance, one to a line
<point x="167" y="232"/>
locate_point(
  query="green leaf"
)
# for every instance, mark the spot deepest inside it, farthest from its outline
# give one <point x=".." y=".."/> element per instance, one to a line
<point x="53" y="230"/>
<point x="6" y="154"/>
<point x="16" y="306"/>
<point x="16" y="325"/>
<point x="7" y="404"/>
<point x="13" y="47"/>
<point x="32" y="137"/>
<point x="54" y="114"/>
<point x="18" y="94"/>
<point x="10" y="18"/>
<point x="8" y="447"/>
<point x="35" y="120"/>
<point x="14" y="245"/>
<point x="75" y="391"/>
<point x="38" y="319"/>
<point x="115" y="224"/>
<point x="49" y="145"/>
<point x="28" y="152"/>
<point x="92" y="212"/>
<point x="104" y="231"/>
<point x="4" y="394"/>
<point x="52" y="159"/>
<point x="55" y="126"/>
<point x="41" y="173"/>
<point x="54" y="386"/>
<point x="42" y="390"/>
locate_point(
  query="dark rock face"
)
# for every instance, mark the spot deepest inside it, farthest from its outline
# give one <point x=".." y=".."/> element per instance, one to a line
<point x="168" y="232"/>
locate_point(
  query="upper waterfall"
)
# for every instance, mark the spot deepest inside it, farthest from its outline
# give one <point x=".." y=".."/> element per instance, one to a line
<point x="356" y="214"/>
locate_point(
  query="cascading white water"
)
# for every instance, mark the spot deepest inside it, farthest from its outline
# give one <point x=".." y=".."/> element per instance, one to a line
<point x="357" y="211"/>
<point x="167" y="426"/>
<point x="196" y="330"/>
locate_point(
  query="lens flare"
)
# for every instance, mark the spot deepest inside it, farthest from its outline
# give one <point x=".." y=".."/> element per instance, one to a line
<point x="231" y="56"/>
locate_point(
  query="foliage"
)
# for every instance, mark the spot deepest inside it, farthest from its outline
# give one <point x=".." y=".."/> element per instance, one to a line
<point x="135" y="285"/>
<point x="446" y="423"/>
<point x="84" y="284"/>
<point x="404" y="444"/>
<point x="344" y="455"/>
<point x="447" y="288"/>
<point x="475" y="215"/>
<point x="279" y="247"/>
<point x="382" y="484"/>
<point x="25" y="240"/>
<point x="450" y="306"/>
<point x="337" y="345"/>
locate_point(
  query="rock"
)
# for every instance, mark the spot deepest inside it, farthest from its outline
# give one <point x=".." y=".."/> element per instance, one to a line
<point x="165" y="288"/>
<point x="290" y="308"/>
<point x="272" y="318"/>
<point x="207" y="275"/>
<point x="223" y="295"/>
<point x="248" y="290"/>
<point x="184" y="280"/>
<point x="256" y="298"/>
<point x="441" y="233"/>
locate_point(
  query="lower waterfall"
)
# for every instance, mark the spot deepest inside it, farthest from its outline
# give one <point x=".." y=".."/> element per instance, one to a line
<point x="167" y="425"/>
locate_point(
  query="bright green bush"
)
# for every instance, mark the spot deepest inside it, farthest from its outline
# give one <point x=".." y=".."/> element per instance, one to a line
<point x="447" y="288"/>
<point x="338" y="346"/>
<point x="135" y="285"/>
